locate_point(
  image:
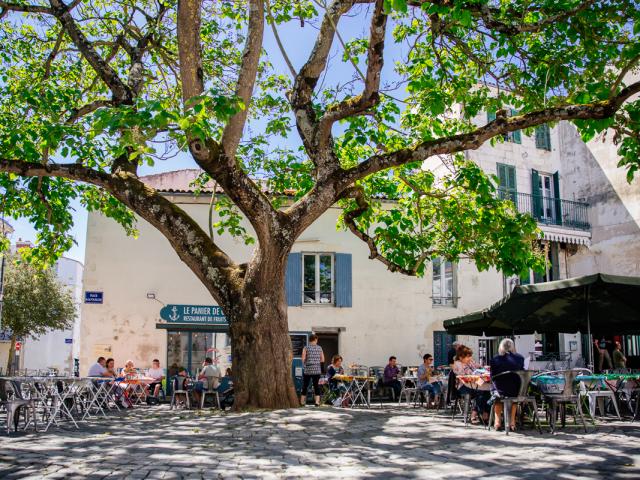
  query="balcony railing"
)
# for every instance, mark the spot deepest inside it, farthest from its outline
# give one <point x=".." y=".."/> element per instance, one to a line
<point x="551" y="211"/>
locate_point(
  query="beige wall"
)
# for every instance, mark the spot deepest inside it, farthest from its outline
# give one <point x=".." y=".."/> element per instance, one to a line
<point x="391" y="313"/>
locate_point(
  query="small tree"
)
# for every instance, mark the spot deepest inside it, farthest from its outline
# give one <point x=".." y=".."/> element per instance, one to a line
<point x="34" y="302"/>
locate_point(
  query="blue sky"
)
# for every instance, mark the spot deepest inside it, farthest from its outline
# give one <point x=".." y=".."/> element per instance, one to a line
<point x="298" y="43"/>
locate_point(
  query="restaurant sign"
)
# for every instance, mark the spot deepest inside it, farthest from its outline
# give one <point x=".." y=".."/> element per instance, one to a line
<point x="194" y="314"/>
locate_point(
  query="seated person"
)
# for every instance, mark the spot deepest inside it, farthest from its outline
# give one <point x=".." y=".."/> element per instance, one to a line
<point x="464" y="365"/>
<point x="129" y="369"/>
<point x="335" y="369"/>
<point x="508" y="385"/>
<point x="157" y="374"/>
<point x="390" y="376"/>
<point x="99" y="369"/>
<point x="425" y="381"/>
<point x="208" y="379"/>
<point x="110" y="368"/>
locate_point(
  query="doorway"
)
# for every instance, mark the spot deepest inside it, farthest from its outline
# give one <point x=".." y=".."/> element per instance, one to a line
<point x="330" y="345"/>
<point x="188" y="349"/>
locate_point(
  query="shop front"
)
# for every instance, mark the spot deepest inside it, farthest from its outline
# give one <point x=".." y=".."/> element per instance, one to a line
<point x="195" y="332"/>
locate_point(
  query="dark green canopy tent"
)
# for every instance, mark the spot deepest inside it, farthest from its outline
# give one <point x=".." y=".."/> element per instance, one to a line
<point x="600" y="304"/>
<point x="597" y="303"/>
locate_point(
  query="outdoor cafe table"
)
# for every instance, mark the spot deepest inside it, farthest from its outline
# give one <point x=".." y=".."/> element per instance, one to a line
<point x="135" y="387"/>
<point x="356" y="386"/>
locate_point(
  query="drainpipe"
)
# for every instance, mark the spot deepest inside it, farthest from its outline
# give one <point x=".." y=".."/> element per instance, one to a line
<point x="1" y="286"/>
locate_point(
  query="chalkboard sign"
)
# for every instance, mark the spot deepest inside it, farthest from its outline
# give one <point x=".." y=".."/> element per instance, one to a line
<point x="298" y="342"/>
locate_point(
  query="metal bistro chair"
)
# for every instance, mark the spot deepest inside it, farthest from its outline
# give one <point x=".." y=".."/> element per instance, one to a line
<point x="568" y="397"/>
<point x="522" y="398"/>
<point x="179" y="389"/>
<point x="597" y="397"/>
<point x="13" y="402"/>
<point x="210" y="391"/>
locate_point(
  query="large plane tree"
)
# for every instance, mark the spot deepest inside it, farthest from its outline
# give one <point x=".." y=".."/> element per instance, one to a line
<point x="291" y="107"/>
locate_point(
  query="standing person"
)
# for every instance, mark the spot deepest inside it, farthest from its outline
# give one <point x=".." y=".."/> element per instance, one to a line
<point x="451" y="354"/>
<point x="619" y="360"/>
<point x="603" y="354"/>
<point x="157" y="374"/>
<point x="507" y="385"/>
<point x="425" y="372"/>
<point x="312" y="358"/>
<point x="390" y="376"/>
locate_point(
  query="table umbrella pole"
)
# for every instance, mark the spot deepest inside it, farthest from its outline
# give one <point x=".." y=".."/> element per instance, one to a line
<point x="586" y="297"/>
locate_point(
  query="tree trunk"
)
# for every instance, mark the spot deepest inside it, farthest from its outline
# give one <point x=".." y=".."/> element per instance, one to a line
<point x="11" y="356"/>
<point x="260" y="342"/>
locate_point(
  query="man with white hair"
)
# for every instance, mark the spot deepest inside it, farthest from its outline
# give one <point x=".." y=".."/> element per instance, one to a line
<point x="507" y="360"/>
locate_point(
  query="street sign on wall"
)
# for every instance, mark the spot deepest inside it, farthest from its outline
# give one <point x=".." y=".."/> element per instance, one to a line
<point x="93" y="297"/>
<point x="194" y="314"/>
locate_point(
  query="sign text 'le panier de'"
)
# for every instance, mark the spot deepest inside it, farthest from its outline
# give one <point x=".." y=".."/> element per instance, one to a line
<point x="199" y="314"/>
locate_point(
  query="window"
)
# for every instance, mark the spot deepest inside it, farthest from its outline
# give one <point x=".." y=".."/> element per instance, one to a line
<point x="552" y="267"/>
<point x="515" y="136"/>
<point x="507" y="182"/>
<point x="317" y="277"/>
<point x="443" y="289"/>
<point x="543" y="137"/>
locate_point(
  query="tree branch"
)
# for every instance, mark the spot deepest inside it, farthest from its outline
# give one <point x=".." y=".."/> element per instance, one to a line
<point x="307" y="78"/>
<point x="357" y="193"/>
<point x="212" y="266"/>
<point x="272" y="22"/>
<point x="370" y="95"/>
<point x="246" y="78"/>
<point x="474" y="139"/>
<point x="18" y="7"/>
<point x="190" y="48"/>
<point x="121" y="92"/>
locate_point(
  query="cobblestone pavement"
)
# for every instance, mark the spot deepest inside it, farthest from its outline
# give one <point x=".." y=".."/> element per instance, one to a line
<point x="313" y="442"/>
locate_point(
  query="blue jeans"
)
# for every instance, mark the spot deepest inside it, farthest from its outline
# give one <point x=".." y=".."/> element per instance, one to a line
<point x="481" y="397"/>
<point x="433" y="388"/>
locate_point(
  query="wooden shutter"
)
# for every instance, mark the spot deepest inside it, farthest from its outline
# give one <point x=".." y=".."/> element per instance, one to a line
<point x="343" y="278"/>
<point x="536" y="199"/>
<point x="516" y="136"/>
<point x="508" y="182"/>
<point x="293" y="280"/>
<point x="556" y="196"/>
<point x="543" y="137"/>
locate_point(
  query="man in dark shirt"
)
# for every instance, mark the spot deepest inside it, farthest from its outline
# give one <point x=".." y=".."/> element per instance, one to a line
<point x="391" y="374"/>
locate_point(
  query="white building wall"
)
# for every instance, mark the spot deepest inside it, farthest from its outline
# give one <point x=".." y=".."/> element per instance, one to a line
<point x="51" y="351"/>
<point x="391" y="314"/>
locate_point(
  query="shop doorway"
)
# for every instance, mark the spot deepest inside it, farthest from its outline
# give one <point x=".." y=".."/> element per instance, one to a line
<point x="188" y="349"/>
<point x="330" y="345"/>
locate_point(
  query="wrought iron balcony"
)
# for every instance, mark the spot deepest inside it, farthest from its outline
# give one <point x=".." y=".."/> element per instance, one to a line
<point x="550" y="210"/>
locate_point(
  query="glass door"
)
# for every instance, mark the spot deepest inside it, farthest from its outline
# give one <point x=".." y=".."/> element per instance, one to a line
<point x="546" y="190"/>
<point x="177" y="352"/>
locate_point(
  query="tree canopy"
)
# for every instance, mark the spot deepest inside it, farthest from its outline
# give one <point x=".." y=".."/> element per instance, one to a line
<point x="321" y="103"/>
<point x="90" y="91"/>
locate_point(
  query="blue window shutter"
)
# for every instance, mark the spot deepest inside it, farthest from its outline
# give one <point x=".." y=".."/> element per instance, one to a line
<point x="343" y="280"/>
<point x="516" y="135"/>
<point x="293" y="280"/>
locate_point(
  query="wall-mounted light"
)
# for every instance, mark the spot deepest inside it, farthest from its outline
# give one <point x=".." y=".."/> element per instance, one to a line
<point x="152" y="296"/>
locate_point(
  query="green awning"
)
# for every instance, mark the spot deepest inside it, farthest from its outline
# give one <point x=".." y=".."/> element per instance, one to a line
<point x="601" y="303"/>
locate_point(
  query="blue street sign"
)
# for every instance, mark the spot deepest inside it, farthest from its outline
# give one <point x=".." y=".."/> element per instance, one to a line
<point x="198" y="314"/>
<point x="93" y="297"/>
<point x="68" y="340"/>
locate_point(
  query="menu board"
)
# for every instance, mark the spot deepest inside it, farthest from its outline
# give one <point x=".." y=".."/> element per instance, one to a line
<point x="298" y="342"/>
